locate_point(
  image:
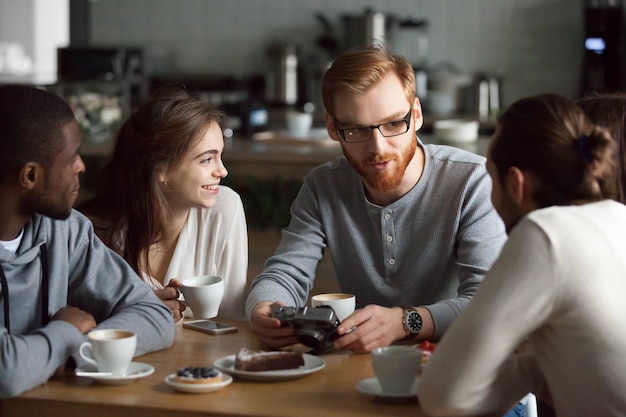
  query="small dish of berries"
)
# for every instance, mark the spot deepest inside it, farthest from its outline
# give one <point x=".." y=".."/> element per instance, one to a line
<point x="198" y="379"/>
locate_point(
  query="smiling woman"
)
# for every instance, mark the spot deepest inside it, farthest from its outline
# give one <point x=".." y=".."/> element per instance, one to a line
<point x="160" y="205"/>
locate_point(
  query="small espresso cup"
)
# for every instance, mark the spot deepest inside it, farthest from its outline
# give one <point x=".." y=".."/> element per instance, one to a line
<point x="203" y="294"/>
<point x="396" y="367"/>
<point x="110" y="350"/>
<point x="343" y="304"/>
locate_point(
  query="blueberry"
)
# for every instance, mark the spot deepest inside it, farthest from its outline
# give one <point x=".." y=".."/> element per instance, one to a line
<point x="197" y="372"/>
<point x="185" y="372"/>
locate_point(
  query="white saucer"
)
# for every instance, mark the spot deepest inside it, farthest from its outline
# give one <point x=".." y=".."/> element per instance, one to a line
<point x="135" y="371"/>
<point x="372" y="386"/>
<point x="198" y="388"/>
<point x="311" y="364"/>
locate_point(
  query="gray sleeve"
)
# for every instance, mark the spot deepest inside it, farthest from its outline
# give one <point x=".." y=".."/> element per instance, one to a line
<point x="479" y="239"/>
<point x="289" y="274"/>
<point x="85" y="274"/>
<point x="103" y="284"/>
<point x="31" y="359"/>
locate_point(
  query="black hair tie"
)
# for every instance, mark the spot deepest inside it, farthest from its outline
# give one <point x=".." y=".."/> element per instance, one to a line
<point x="583" y="148"/>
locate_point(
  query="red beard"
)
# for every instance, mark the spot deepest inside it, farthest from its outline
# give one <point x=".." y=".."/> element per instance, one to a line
<point x="387" y="179"/>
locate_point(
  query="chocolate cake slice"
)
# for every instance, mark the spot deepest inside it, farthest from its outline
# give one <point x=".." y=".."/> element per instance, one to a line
<point x="258" y="361"/>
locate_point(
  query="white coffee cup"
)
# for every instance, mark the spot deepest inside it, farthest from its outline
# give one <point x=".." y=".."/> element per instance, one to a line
<point x="396" y="367"/>
<point x="343" y="304"/>
<point x="110" y="350"/>
<point x="203" y="294"/>
<point x="298" y="123"/>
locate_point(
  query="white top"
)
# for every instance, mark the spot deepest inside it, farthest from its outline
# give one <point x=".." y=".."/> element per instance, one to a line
<point x="560" y="282"/>
<point x="214" y="241"/>
<point x="12" y="245"/>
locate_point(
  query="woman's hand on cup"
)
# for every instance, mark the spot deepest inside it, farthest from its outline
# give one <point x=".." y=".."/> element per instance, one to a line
<point x="169" y="295"/>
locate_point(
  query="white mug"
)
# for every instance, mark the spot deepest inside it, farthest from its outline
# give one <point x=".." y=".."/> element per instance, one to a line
<point x="298" y="123"/>
<point x="343" y="304"/>
<point x="111" y="350"/>
<point x="203" y="294"/>
<point x="396" y="367"/>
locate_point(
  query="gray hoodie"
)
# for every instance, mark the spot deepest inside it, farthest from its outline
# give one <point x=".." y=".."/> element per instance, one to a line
<point x="82" y="272"/>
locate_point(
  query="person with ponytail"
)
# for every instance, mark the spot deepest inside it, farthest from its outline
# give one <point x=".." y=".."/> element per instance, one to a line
<point x="548" y="318"/>
<point x="609" y="110"/>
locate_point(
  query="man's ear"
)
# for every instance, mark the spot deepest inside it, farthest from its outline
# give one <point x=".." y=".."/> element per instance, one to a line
<point x="417" y="114"/>
<point x="517" y="184"/>
<point x="331" y="128"/>
<point x="30" y="174"/>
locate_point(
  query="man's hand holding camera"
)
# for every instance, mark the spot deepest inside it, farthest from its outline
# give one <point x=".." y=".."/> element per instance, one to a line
<point x="370" y="327"/>
<point x="367" y="328"/>
<point x="268" y="329"/>
<point x="315" y="327"/>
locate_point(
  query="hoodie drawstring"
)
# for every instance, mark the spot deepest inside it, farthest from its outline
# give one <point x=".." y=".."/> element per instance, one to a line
<point x="45" y="290"/>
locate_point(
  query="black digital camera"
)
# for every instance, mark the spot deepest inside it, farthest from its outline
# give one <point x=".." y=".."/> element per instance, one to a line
<point x="315" y="327"/>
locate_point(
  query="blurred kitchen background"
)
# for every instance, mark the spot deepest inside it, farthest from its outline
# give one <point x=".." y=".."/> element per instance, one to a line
<point x="271" y="53"/>
<point x="260" y="59"/>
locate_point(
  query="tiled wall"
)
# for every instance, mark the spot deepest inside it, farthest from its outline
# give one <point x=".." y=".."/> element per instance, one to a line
<point x="537" y="43"/>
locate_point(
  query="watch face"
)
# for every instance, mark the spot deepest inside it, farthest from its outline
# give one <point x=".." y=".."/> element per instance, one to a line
<point x="414" y="322"/>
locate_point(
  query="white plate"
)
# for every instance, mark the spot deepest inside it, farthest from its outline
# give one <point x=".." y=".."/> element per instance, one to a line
<point x="311" y="364"/>
<point x="198" y="388"/>
<point x="135" y="371"/>
<point x="372" y="386"/>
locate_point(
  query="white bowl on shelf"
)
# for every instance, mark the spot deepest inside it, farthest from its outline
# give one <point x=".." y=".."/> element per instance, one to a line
<point x="298" y="123"/>
<point x="456" y="130"/>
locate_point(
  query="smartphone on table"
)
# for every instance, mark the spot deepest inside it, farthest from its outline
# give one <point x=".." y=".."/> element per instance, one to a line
<point x="209" y="326"/>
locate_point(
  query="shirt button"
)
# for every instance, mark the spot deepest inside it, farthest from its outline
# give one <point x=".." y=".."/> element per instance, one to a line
<point x="389" y="239"/>
<point x="392" y="261"/>
<point x="387" y="216"/>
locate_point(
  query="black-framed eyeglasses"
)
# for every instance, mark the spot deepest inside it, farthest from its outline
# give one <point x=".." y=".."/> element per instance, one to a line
<point x="387" y="129"/>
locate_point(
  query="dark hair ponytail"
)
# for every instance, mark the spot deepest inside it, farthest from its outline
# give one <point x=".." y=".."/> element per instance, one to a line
<point x="572" y="160"/>
<point x="598" y="151"/>
<point x="609" y="110"/>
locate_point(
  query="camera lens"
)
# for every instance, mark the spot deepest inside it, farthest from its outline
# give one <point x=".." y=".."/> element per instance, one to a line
<point x="311" y="337"/>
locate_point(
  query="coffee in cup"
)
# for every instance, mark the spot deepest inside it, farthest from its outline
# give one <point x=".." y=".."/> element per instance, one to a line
<point x="396" y="367"/>
<point x="343" y="304"/>
<point x="203" y="294"/>
<point x="110" y="350"/>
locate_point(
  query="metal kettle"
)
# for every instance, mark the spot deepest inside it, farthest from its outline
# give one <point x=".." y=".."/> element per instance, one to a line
<point x="367" y="28"/>
<point x="281" y="81"/>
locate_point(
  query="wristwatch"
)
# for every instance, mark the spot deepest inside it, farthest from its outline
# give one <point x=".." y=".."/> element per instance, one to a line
<point x="412" y="322"/>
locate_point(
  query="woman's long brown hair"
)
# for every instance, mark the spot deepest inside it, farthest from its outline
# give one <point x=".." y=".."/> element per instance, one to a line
<point x="129" y="203"/>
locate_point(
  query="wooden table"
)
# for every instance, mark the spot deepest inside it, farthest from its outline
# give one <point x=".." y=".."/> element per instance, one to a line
<point x="328" y="392"/>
